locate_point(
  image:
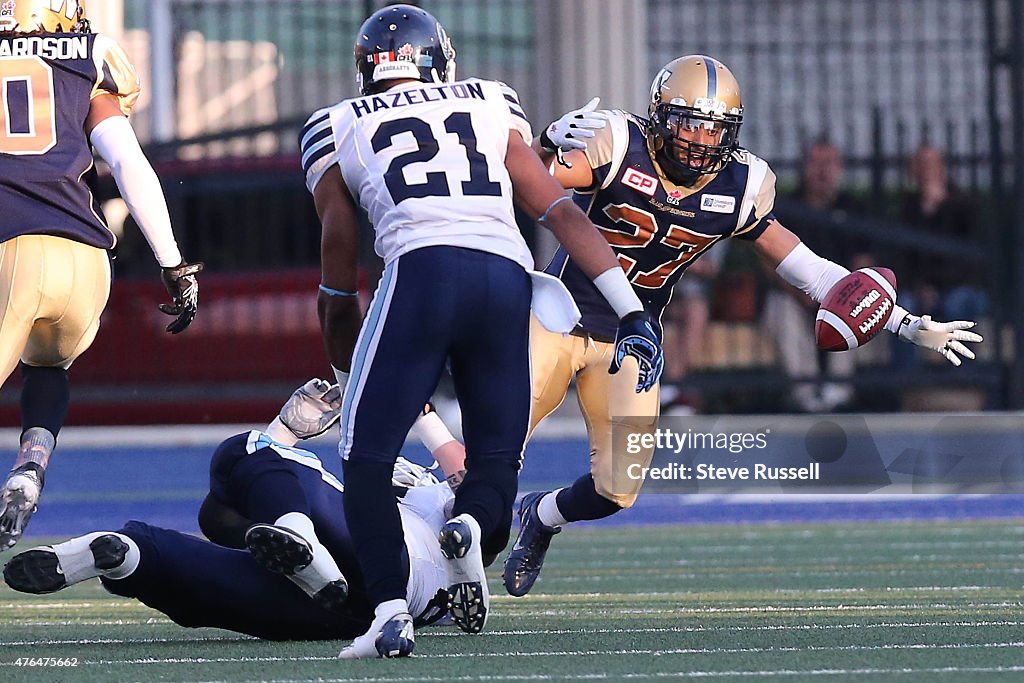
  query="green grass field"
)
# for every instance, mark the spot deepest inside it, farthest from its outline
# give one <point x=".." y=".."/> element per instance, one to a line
<point x="935" y="601"/>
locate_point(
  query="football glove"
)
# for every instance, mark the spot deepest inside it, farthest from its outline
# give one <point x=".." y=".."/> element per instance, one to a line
<point x="181" y="284"/>
<point x="409" y="474"/>
<point x="574" y="128"/>
<point x="944" y="338"/>
<point x="636" y="337"/>
<point x="312" y="408"/>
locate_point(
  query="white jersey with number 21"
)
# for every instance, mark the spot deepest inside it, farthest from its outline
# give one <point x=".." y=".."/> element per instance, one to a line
<point x="427" y="163"/>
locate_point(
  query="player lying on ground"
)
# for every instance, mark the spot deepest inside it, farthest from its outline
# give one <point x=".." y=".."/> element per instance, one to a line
<point x="662" y="190"/>
<point x="282" y="561"/>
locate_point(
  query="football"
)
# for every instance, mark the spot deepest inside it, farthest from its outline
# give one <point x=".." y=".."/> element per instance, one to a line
<point x="855" y="309"/>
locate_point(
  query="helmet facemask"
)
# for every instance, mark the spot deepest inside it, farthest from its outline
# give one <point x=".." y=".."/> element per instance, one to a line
<point x="689" y="142"/>
<point x="695" y="116"/>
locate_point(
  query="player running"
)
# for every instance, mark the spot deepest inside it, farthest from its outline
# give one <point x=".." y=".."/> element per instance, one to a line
<point x="64" y="90"/>
<point x="662" y="190"/>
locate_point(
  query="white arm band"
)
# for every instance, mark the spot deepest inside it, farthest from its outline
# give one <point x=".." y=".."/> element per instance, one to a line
<point x="115" y="140"/>
<point x="809" y="272"/>
<point x="613" y="284"/>
<point x="432" y="431"/>
<point x="899" y="316"/>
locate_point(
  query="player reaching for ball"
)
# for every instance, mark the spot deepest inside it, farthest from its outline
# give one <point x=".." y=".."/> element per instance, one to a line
<point x="662" y="190"/>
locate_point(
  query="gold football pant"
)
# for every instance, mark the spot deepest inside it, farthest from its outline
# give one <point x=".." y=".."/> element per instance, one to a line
<point x="52" y="291"/>
<point x="609" y="403"/>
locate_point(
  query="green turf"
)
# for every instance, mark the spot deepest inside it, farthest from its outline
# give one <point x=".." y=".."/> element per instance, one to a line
<point x="865" y="602"/>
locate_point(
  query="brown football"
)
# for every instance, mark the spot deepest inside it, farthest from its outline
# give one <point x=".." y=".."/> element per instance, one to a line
<point x="855" y="309"/>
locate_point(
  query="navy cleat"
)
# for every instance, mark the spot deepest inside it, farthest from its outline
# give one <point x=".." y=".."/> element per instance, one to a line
<point x="467" y="591"/>
<point x="396" y="638"/>
<point x="390" y="635"/>
<point x="524" y="562"/>
<point x="48" y="569"/>
<point x="282" y="551"/>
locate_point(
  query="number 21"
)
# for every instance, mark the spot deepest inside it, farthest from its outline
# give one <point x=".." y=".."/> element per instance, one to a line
<point x="436" y="184"/>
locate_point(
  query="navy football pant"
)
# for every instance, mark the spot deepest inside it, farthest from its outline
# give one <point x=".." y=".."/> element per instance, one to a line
<point x="434" y="306"/>
<point x="197" y="583"/>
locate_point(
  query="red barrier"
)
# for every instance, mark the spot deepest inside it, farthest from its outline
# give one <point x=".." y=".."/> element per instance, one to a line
<point x="256" y="337"/>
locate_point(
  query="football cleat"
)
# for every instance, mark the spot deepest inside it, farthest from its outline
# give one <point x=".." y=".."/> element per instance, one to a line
<point x="48" y="569"/>
<point x="470" y="599"/>
<point x="282" y="551"/>
<point x="397" y="638"/>
<point x="19" y="500"/>
<point x="524" y="562"/>
<point x="389" y="636"/>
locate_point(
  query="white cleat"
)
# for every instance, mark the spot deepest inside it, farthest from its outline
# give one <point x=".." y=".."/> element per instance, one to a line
<point x="19" y="499"/>
<point x="470" y="598"/>
<point x="390" y="635"/>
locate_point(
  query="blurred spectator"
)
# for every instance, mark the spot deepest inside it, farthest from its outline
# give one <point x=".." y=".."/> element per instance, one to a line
<point x="945" y="285"/>
<point x="788" y="315"/>
<point x="685" y="326"/>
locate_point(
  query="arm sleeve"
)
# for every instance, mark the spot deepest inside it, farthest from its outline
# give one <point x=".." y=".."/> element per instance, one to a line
<point x="809" y="272"/>
<point x="115" y="140"/>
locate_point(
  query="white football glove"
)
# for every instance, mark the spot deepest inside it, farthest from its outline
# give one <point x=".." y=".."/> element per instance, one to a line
<point x="574" y="128"/>
<point x="943" y="338"/>
<point x="312" y="408"/>
<point x="409" y="474"/>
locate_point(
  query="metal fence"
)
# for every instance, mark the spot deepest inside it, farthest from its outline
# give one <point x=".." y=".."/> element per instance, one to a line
<point x="875" y="77"/>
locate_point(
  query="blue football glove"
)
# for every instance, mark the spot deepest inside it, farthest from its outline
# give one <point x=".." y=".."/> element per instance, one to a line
<point x="636" y="337"/>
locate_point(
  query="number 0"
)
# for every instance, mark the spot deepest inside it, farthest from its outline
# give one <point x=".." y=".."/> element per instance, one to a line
<point x="27" y="112"/>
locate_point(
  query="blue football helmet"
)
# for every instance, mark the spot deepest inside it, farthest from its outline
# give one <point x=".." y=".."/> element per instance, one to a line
<point x="402" y="41"/>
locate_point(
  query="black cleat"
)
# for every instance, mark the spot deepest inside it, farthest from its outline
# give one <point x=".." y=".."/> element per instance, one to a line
<point x="39" y="570"/>
<point x="277" y="549"/>
<point x="282" y="551"/>
<point x="524" y="562"/>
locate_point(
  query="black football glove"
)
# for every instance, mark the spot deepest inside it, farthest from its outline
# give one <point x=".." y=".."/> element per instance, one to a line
<point x="181" y="284"/>
<point x="636" y="337"/>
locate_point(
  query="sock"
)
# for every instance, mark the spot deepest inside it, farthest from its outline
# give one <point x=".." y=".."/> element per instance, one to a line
<point x="582" y="501"/>
<point x="376" y="528"/>
<point x="37" y="445"/>
<point x="548" y="510"/>
<point x="131" y="560"/>
<point x="390" y="608"/>
<point x="323" y="569"/>
<point x="45" y="396"/>
<point x="77" y="564"/>
<point x="300" y="524"/>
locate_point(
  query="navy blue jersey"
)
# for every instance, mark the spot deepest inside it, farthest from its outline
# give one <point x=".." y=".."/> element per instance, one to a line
<point x="656" y="228"/>
<point x="47" y="83"/>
